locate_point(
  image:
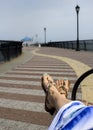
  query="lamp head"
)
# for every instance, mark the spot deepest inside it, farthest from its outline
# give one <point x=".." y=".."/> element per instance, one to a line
<point x="77" y="8"/>
<point x="44" y="29"/>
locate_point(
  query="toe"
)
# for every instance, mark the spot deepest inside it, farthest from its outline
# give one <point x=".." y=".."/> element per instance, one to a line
<point x="45" y="81"/>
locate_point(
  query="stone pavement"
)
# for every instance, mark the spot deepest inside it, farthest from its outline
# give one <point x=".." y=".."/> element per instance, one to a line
<point x="80" y="62"/>
<point x="21" y="94"/>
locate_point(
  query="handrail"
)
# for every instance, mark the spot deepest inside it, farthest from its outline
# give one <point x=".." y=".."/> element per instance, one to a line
<point x="80" y="79"/>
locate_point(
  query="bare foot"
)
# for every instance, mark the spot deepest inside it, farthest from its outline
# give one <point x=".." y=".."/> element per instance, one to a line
<point x="63" y="86"/>
<point x="46" y="80"/>
<point x="54" y="100"/>
<point x="60" y="86"/>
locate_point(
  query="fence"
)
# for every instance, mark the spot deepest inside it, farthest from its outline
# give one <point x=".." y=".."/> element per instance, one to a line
<point x="9" y="50"/>
<point x="83" y="44"/>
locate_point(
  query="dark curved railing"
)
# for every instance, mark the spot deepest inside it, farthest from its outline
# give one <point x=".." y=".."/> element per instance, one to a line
<point x="80" y="79"/>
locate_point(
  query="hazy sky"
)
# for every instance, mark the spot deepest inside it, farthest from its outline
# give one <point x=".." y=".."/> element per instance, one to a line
<point x="20" y="18"/>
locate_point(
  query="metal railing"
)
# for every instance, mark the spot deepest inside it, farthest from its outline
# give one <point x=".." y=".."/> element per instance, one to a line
<point x="86" y="45"/>
<point x="9" y="50"/>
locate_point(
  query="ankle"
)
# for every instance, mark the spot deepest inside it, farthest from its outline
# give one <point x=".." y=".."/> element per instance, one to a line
<point x="60" y="101"/>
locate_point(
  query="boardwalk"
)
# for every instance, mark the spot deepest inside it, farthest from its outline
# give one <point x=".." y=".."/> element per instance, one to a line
<point x="21" y="94"/>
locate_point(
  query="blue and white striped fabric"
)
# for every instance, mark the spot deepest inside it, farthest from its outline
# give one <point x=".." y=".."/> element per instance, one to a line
<point x="73" y="116"/>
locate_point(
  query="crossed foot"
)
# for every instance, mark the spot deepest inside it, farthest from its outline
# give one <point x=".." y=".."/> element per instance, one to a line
<point x="55" y="91"/>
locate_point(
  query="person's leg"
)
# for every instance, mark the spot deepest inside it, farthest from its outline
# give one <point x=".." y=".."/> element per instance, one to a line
<point x="54" y="100"/>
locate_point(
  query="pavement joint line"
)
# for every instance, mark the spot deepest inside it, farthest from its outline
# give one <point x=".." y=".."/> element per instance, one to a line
<point x="6" y="124"/>
<point x="35" y="72"/>
<point x="20" y="82"/>
<point x="22" y="105"/>
<point x="79" y="68"/>
<point x="35" y="77"/>
<point x="22" y="91"/>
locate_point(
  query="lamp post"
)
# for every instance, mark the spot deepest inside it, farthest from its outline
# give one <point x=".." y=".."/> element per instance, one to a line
<point x="77" y="11"/>
<point x="45" y="35"/>
<point x="36" y="38"/>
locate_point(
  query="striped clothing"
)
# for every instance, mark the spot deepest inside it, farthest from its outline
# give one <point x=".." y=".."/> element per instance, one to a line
<point x="73" y="116"/>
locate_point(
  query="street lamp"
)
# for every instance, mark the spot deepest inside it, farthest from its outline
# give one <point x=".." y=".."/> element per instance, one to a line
<point x="45" y="35"/>
<point x="36" y="38"/>
<point x="77" y="11"/>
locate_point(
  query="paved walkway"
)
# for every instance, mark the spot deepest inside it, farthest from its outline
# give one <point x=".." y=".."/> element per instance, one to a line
<point x="79" y="61"/>
<point x="21" y="95"/>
